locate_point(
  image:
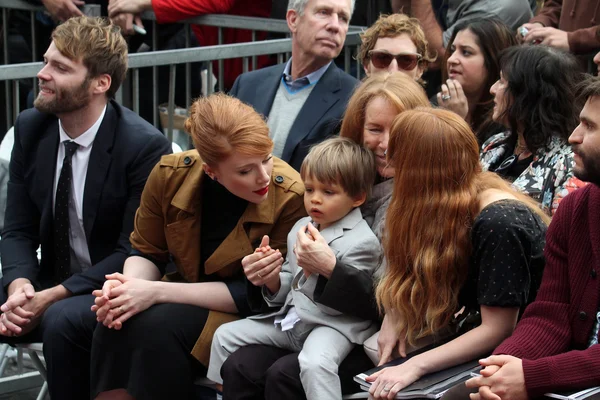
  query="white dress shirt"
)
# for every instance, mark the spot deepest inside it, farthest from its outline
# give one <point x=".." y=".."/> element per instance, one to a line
<point x="80" y="255"/>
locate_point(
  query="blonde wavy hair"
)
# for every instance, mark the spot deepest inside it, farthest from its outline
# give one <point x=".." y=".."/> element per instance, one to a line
<point x="401" y="91"/>
<point x="437" y="185"/>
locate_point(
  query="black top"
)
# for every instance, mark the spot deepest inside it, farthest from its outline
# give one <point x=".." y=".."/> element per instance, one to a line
<point x="507" y="260"/>
<point x="516" y="168"/>
<point x="511" y="167"/>
<point x="221" y="211"/>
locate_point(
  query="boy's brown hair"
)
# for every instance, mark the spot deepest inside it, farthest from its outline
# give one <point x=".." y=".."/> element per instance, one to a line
<point x="343" y="162"/>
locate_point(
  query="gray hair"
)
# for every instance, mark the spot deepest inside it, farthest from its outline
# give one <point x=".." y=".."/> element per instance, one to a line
<point x="300" y="5"/>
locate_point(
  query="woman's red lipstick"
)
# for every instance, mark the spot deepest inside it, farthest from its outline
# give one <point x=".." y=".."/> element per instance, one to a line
<point x="262" y="191"/>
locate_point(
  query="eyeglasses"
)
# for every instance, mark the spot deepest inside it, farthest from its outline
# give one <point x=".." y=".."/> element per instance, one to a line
<point x="405" y="61"/>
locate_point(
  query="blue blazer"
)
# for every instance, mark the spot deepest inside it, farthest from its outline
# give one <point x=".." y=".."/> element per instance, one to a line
<point x="125" y="150"/>
<point x="320" y="117"/>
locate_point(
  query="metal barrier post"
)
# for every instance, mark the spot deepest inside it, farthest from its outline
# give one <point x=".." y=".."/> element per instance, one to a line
<point x="34" y="51"/>
<point x="9" y="121"/>
<point x="154" y="80"/>
<point x="171" y="105"/>
<point x="221" y="72"/>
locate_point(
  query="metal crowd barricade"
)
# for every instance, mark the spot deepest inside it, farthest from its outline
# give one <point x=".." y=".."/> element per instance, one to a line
<point x="281" y="47"/>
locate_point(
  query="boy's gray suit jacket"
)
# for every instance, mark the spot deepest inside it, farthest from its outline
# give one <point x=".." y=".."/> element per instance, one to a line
<point x="353" y="243"/>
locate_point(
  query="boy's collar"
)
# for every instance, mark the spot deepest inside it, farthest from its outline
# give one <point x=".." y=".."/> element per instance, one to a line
<point x="336" y="229"/>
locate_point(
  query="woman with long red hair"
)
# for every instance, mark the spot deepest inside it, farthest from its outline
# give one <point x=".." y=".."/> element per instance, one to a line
<point x="456" y="239"/>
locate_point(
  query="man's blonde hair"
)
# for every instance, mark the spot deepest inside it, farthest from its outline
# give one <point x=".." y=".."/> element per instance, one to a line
<point x="343" y="162"/>
<point x="98" y="44"/>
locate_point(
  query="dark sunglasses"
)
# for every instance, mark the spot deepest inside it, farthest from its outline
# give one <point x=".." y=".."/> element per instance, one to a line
<point x="405" y="61"/>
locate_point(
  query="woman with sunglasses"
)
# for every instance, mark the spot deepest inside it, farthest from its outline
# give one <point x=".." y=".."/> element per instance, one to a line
<point x="273" y="374"/>
<point x="395" y="43"/>
<point x="535" y="98"/>
<point x="471" y="68"/>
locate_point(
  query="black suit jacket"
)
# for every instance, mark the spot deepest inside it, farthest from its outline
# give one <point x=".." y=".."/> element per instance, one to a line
<point x="125" y="150"/>
<point x="320" y="117"/>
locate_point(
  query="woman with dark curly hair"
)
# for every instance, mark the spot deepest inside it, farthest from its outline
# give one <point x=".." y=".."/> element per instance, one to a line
<point x="470" y="68"/>
<point x="535" y="98"/>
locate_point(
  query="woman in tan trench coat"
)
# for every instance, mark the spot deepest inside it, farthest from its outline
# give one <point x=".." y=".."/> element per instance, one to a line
<point x="202" y="210"/>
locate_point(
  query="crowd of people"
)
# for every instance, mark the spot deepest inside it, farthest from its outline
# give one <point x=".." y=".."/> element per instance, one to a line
<point x="321" y="225"/>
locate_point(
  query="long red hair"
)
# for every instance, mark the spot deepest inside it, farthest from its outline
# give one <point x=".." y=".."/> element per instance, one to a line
<point x="435" y="200"/>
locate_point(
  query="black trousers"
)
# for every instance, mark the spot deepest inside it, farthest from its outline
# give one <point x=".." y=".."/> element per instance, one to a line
<point x="66" y="330"/>
<point x="266" y="372"/>
<point x="150" y="356"/>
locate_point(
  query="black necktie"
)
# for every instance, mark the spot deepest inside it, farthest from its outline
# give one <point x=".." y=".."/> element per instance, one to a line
<point x="62" y="246"/>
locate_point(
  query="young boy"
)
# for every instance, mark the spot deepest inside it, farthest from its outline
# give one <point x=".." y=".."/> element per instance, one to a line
<point x="338" y="175"/>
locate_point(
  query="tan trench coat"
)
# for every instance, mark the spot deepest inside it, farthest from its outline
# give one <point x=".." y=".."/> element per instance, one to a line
<point x="168" y="224"/>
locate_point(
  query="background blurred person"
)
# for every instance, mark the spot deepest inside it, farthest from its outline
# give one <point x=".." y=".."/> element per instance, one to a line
<point x="305" y="97"/>
<point x="569" y="25"/>
<point x="471" y="68"/>
<point x="535" y="98"/>
<point x="440" y="18"/>
<point x="177" y="10"/>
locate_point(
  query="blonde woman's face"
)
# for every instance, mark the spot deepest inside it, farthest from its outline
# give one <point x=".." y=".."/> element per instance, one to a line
<point x="394" y="46"/>
<point x="379" y="115"/>
<point x="247" y="177"/>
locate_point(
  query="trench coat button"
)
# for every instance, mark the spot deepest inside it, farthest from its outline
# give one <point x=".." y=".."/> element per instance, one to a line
<point x="187" y="161"/>
<point x="582" y="315"/>
<point x="593" y="273"/>
<point x="279" y="179"/>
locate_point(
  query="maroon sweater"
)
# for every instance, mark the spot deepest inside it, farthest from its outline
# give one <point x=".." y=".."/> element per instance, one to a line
<point x="553" y="334"/>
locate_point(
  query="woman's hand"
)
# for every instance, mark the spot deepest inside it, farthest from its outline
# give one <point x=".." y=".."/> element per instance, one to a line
<point x="453" y="98"/>
<point x="313" y="253"/>
<point x="388" y="339"/>
<point x="386" y="383"/>
<point x="263" y="266"/>
<point x="125" y="300"/>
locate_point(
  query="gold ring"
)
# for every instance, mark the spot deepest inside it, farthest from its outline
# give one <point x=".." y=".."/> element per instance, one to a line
<point x="121" y="310"/>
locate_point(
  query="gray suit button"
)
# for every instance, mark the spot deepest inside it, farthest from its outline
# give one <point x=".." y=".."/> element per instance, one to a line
<point x="187" y="161"/>
<point x="279" y="179"/>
